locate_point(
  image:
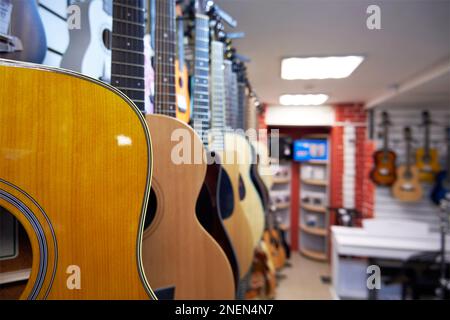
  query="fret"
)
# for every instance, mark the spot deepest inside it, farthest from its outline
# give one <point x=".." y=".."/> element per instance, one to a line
<point x="122" y="42"/>
<point x="127" y="50"/>
<point x="128" y="83"/>
<point x="127" y="58"/>
<point x="133" y="4"/>
<point x="128" y="68"/>
<point x="126" y="36"/>
<point x="128" y="29"/>
<point x="136" y="59"/>
<point x="139" y="24"/>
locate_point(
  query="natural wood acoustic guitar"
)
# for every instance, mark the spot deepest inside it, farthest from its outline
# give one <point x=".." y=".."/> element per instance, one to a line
<point x="407" y="187"/>
<point x="177" y="250"/>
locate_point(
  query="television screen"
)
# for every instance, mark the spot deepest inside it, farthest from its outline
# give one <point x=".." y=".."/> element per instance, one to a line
<point x="311" y="150"/>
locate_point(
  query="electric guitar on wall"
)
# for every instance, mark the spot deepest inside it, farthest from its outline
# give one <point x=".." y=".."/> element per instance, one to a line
<point x="384" y="172"/>
<point x="441" y="188"/>
<point x="427" y="159"/>
<point x="177" y="250"/>
<point x="18" y="40"/>
<point x="89" y="50"/>
<point x="407" y="187"/>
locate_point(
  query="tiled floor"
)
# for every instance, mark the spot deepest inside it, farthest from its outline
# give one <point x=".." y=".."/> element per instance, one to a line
<point x="302" y="280"/>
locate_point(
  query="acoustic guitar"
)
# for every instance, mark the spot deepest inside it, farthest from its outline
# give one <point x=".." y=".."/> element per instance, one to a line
<point x="407" y="187"/>
<point x="89" y="50"/>
<point x="25" y="41"/>
<point x="384" y="171"/>
<point x="441" y="188"/>
<point x="64" y="181"/>
<point x="427" y="158"/>
<point x="234" y="218"/>
<point x="181" y="73"/>
<point x="177" y="250"/>
<point x="249" y="197"/>
<point x="217" y="182"/>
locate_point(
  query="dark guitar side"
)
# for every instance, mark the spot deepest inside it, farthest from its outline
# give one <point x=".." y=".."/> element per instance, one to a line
<point x="211" y="208"/>
<point x="31" y="33"/>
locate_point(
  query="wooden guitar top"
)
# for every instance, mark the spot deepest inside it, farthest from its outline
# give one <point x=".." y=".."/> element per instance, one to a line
<point x="177" y="250"/>
<point x="75" y="170"/>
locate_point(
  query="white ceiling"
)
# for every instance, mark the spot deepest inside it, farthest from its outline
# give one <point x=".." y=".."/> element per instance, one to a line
<point x="415" y="35"/>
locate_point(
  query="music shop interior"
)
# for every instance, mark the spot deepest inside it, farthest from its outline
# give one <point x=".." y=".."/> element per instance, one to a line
<point x="322" y="129"/>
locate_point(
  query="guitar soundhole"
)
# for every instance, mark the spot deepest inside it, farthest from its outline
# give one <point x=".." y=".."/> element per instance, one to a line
<point x="106" y="36"/>
<point x="180" y="82"/>
<point x="15" y="253"/>
<point x="241" y="188"/>
<point x="151" y="209"/>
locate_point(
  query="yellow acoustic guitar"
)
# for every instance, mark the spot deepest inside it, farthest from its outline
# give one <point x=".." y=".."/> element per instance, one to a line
<point x="407" y="187"/>
<point x="177" y="251"/>
<point x="75" y="170"/>
<point x="427" y="159"/>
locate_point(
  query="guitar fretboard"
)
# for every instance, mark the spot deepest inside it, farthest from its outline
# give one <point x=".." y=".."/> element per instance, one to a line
<point x="242" y="97"/>
<point x="217" y="95"/>
<point x="200" y="87"/>
<point x="127" y="50"/>
<point x="165" y="54"/>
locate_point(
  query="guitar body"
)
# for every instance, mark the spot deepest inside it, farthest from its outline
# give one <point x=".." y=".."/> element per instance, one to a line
<point x="209" y="210"/>
<point x="237" y="225"/>
<point x="31" y="33"/>
<point x="88" y="51"/>
<point x="384" y="172"/>
<point x="177" y="250"/>
<point x="182" y="91"/>
<point x="407" y="189"/>
<point x="249" y="197"/>
<point x="441" y="187"/>
<point x="428" y="165"/>
<point x="273" y="242"/>
<point x="81" y="196"/>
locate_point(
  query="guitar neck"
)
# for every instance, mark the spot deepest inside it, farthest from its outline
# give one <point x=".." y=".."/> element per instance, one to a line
<point x="127" y="53"/>
<point x="165" y="55"/>
<point x="427" y="140"/>
<point x="230" y="95"/>
<point x="200" y="87"/>
<point x="217" y="94"/>
<point x="242" y="97"/>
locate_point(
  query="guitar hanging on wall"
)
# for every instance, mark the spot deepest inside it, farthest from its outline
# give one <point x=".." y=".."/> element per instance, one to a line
<point x="384" y="172"/>
<point x="407" y="187"/>
<point x="89" y="50"/>
<point x="427" y="159"/>
<point x="18" y="40"/>
<point x="441" y="188"/>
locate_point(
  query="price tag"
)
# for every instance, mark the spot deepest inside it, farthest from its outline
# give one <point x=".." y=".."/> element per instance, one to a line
<point x="5" y="15"/>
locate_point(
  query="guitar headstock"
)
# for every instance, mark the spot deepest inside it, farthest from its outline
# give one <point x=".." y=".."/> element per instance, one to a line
<point x="407" y="134"/>
<point x="426" y="119"/>
<point x="385" y="121"/>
